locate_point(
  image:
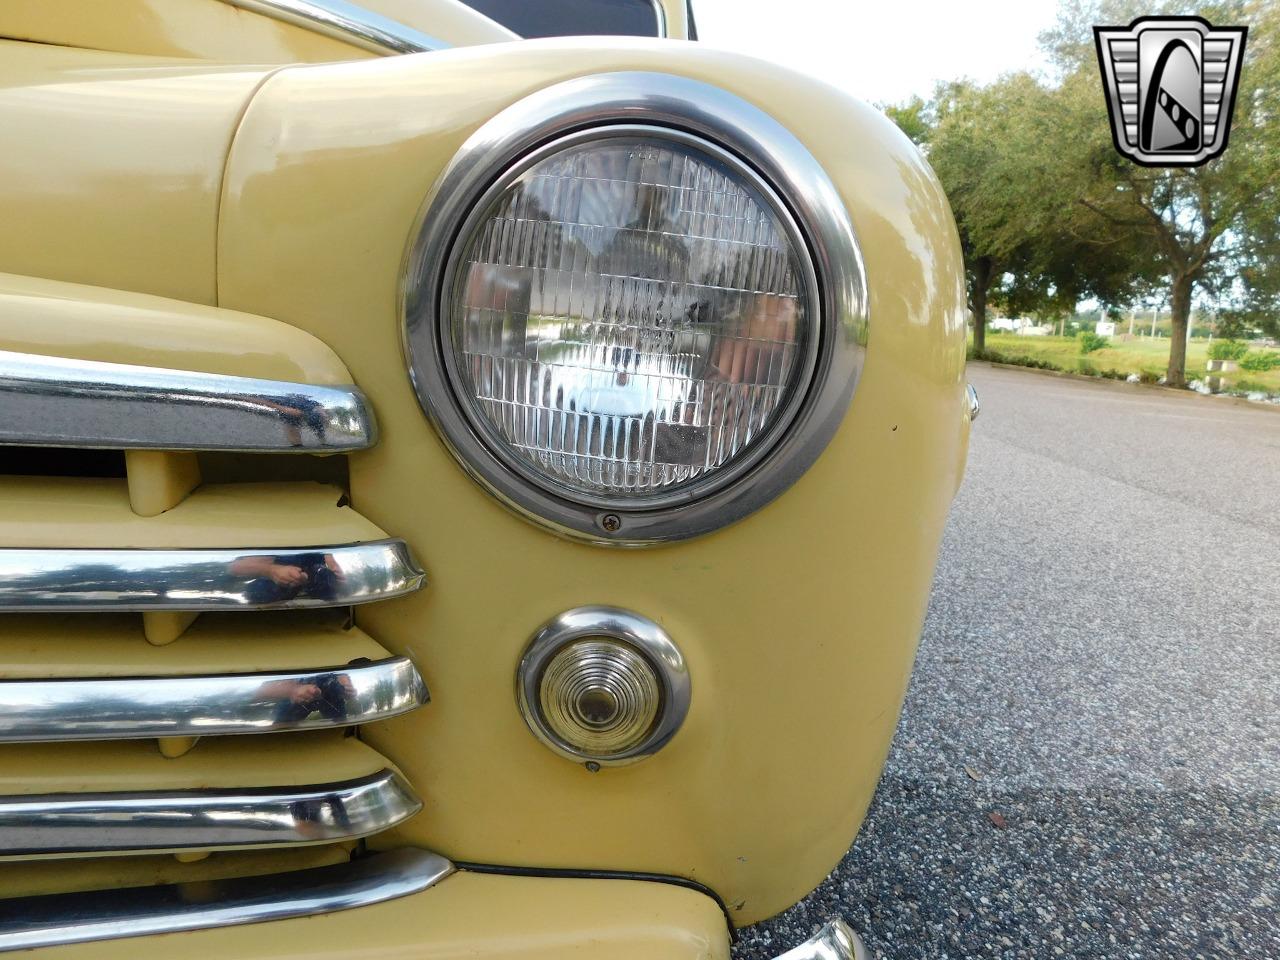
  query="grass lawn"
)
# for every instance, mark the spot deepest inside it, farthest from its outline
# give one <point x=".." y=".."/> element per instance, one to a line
<point x="1132" y="356"/>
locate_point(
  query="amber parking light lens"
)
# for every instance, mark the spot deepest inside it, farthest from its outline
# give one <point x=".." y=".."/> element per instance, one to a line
<point x="628" y="316"/>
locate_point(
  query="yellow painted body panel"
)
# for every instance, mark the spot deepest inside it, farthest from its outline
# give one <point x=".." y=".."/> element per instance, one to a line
<point x="91" y="323"/>
<point x="73" y="512"/>
<point x="217" y="761"/>
<point x="161" y="627"/>
<point x="201" y="29"/>
<point x="112" y="645"/>
<point x="111" y="167"/>
<point x="799" y="623"/>
<point x="468" y="917"/>
<point x="159" y="480"/>
<point x="214" y="30"/>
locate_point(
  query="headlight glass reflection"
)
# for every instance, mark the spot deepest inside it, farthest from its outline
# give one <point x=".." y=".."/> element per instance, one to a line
<point x="629" y="315"/>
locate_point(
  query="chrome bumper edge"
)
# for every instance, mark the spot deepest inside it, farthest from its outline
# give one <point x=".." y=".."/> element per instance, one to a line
<point x="835" y="941"/>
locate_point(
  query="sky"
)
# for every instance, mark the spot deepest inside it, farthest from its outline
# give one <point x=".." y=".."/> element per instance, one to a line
<point x="883" y="50"/>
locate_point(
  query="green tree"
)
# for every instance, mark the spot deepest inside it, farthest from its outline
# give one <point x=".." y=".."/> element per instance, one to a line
<point x="969" y="135"/>
<point x="914" y="118"/>
<point x="1257" y="258"/>
<point x="988" y="146"/>
<point x="1207" y="228"/>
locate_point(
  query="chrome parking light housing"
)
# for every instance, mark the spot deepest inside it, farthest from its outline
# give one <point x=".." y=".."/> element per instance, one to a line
<point x="760" y="152"/>
<point x="603" y="686"/>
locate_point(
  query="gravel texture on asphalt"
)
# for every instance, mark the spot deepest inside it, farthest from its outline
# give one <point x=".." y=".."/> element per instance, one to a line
<point x="1088" y="764"/>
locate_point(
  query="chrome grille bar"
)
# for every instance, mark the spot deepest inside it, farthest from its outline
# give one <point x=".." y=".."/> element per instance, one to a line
<point x="120" y="822"/>
<point x="117" y="708"/>
<point x="57" y="402"/>
<point x="46" y="921"/>
<point x="206" y="579"/>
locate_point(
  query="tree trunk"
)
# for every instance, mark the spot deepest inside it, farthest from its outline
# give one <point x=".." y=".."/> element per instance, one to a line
<point x="981" y="283"/>
<point x="1180" y="306"/>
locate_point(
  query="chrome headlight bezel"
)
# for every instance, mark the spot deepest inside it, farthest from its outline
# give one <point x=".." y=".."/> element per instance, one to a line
<point x="690" y="491"/>
<point x="756" y="147"/>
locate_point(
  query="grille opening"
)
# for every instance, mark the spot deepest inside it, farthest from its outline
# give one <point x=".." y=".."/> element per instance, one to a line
<point x="27" y="878"/>
<point x="265" y="467"/>
<point x="60" y="462"/>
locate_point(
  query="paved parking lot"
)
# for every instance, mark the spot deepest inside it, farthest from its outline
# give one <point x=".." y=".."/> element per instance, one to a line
<point x="1089" y="760"/>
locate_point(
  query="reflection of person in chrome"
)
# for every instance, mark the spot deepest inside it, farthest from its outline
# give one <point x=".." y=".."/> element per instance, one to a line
<point x="330" y="694"/>
<point x="281" y="577"/>
<point x="298" y="412"/>
<point x="765" y="337"/>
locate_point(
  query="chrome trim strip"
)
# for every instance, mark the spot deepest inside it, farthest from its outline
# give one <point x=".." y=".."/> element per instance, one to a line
<point x="641" y="634"/>
<point x="348" y="22"/>
<point x="260" y="578"/>
<point x="971" y="401"/>
<point x="655" y="104"/>
<point x="121" y="708"/>
<point x="835" y="941"/>
<point x="57" y="402"/>
<point x="53" y="919"/>
<point x="125" y="822"/>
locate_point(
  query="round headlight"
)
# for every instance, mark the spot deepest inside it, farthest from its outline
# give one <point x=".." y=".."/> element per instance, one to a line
<point x="616" y="325"/>
<point x="629" y="315"/>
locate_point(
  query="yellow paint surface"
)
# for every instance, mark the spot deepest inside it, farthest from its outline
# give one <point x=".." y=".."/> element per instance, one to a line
<point x="111" y="166"/>
<point x="93" y="323"/>
<point x="200" y="29"/>
<point x="102" y="645"/>
<point x="217" y="762"/>
<point x="799" y="624"/>
<point x="159" y="480"/>
<point x="72" y="512"/>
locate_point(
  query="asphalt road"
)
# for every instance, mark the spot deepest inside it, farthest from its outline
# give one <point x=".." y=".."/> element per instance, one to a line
<point x="1100" y="670"/>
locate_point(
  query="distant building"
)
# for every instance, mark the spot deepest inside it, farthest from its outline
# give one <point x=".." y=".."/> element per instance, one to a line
<point x="1023" y="326"/>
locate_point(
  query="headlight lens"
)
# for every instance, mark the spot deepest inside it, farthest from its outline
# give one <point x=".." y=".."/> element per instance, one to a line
<point x="628" y="315"/>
